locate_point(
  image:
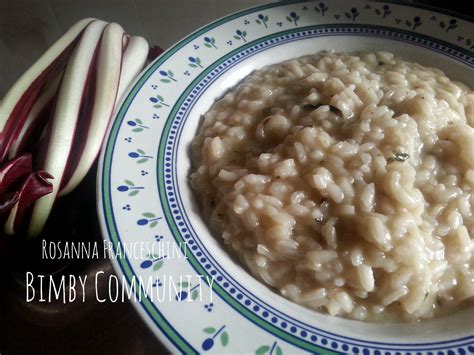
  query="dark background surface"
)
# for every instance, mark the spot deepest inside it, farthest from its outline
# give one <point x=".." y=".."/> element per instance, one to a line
<point x="27" y="28"/>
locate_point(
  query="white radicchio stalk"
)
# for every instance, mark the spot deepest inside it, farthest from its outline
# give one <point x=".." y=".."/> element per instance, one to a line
<point x="62" y="106"/>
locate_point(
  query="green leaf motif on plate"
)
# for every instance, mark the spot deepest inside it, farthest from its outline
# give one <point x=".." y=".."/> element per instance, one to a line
<point x="274" y="349"/>
<point x="157" y="266"/>
<point x="210" y="42"/>
<point x="262" y="350"/>
<point x="278" y="351"/>
<point x="224" y="339"/>
<point x="209" y="330"/>
<point x="133" y="193"/>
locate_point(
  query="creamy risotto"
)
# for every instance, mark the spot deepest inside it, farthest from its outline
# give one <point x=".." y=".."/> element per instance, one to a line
<point x="345" y="182"/>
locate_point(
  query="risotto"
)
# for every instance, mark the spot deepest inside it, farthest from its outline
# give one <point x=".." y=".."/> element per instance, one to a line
<point x="345" y="182"/>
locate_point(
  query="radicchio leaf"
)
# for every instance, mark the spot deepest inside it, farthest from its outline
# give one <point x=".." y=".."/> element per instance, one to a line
<point x="35" y="186"/>
<point x="154" y="53"/>
<point x="103" y="85"/>
<point x="7" y="201"/>
<point x="34" y="125"/>
<point x="19" y="115"/>
<point x="63" y="123"/>
<point x="13" y="172"/>
<point x="17" y="102"/>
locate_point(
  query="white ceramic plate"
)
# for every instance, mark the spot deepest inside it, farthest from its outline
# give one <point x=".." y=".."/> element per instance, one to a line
<point x="145" y="200"/>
